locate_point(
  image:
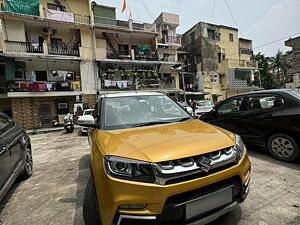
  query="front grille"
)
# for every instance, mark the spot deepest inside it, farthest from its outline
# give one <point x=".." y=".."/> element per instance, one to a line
<point x="174" y="208"/>
<point x="180" y="170"/>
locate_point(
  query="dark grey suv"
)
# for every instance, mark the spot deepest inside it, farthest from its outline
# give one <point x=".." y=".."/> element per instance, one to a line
<point x="15" y="154"/>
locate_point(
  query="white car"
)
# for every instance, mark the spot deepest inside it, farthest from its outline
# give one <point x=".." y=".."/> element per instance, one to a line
<point x="85" y="113"/>
<point x="186" y="107"/>
<point x="202" y="107"/>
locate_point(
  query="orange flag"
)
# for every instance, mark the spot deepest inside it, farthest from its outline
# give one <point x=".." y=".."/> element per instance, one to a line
<point x="124" y="6"/>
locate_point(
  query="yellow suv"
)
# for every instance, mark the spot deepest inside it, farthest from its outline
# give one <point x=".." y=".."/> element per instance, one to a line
<point x="152" y="163"/>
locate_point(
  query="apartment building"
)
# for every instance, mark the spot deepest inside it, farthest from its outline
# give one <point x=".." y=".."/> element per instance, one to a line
<point x="216" y="54"/>
<point x="47" y="59"/>
<point x="293" y="75"/>
<point x="56" y="55"/>
<point x="129" y="54"/>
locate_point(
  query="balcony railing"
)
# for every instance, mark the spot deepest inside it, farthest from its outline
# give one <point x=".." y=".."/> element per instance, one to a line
<point x="63" y="51"/>
<point x="120" y="24"/>
<point x="173" y="39"/>
<point x="23" y="47"/>
<point x="49" y="86"/>
<point x="242" y="63"/>
<point x="66" y="16"/>
<point x="246" y="51"/>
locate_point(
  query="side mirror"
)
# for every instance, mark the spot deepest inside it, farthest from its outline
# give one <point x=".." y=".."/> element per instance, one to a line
<point x="87" y="121"/>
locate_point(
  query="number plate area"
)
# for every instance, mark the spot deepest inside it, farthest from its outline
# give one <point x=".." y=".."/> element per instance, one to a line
<point x="208" y="202"/>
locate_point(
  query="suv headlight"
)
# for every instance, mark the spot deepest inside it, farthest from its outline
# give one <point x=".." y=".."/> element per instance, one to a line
<point x="129" y="169"/>
<point x="239" y="146"/>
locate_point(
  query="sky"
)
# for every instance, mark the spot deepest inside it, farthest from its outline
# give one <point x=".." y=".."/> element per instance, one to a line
<point x="263" y="21"/>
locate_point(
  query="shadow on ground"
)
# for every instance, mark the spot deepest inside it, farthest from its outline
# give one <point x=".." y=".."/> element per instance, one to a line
<point x="263" y="154"/>
<point x="8" y="195"/>
<point x="231" y="218"/>
<point x="82" y="179"/>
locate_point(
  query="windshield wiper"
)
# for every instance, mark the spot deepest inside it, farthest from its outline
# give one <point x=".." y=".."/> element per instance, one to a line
<point x="151" y="123"/>
<point x="184" y="119"/>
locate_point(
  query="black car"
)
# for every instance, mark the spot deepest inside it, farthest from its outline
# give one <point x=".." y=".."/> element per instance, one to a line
<point x="15" y="154"/>
<point x="268" y="118"/>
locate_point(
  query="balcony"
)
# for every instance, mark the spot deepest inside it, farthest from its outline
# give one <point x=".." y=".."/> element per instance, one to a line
<point x="66" y="16"/>
<point x="49" y="88"/>
<point x="246" y="51"/>
<point x="63" y="51"/>
<point x="235" y="63"/>
<point x="138" y="55"/>
<point x="173" y="40"/>
<point x="23" y="47"/>
<point x="120" y="24"/>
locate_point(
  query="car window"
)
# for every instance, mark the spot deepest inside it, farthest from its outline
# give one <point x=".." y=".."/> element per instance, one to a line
<point x="231" y="105"/>
<point x="264" y="102"/>
<point x="122" y="112"/>
<point x="206" y="103"/>
<point x="295" y="92"/>
<point x="4" y="125"/>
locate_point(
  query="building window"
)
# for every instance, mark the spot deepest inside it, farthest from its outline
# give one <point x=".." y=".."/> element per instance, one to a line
<point x="51" y="6"/>
<point x="56" y="43"/>
<point x="211" y="34"/>
<point x="124" y="49"/>
<point x="41" y="75"/>
<point x="231" y="37"/>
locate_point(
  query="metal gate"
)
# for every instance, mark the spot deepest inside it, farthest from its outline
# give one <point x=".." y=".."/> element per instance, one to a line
<point x="45" y="114"/>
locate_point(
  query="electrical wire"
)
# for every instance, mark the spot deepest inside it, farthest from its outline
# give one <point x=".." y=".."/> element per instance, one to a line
<point x="147" y="9"/>
<point x="263" y="45"/>
<point x="213" y="12"/>
<point x="231" y="14"/>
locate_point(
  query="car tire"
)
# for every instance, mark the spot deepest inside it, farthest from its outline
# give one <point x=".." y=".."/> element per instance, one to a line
<point x="28" y="166"/>
<point x="90" y="205"/>
<point x="283" y="147"/>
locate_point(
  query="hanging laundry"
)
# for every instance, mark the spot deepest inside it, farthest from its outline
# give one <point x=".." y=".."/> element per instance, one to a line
<point x="107" y="83"/>
<point x="114" y="83"/>
<point x="76" y="85"/>
<point x="64" y="84"/>
<point x="122" y="84"/>
<point x="33" y="76"/>
<point x="49" y="86"/>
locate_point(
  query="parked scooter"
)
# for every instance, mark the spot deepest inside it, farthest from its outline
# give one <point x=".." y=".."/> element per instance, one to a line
<point x="69" y="125"/>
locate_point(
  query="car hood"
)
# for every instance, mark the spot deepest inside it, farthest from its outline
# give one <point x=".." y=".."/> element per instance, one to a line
<point x="164" y="142"/>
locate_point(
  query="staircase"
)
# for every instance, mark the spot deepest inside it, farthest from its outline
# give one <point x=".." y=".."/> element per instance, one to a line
<point x="110" y="39"/>
<point x="74" y="41"/>
<point x="63" y="7"/>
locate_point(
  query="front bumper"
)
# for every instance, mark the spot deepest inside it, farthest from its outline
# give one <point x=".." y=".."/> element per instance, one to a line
<point x="166" y="204"/>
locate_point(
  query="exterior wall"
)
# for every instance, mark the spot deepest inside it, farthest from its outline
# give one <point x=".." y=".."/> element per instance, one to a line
<point x="26" y="110"/>
<point x="296" y="81"/>
<point x="168" y="18"/>
<point x="81" y="7"/>
<point x="88" y="77"/>
<point x="5" y="104"/>
<point x="90" y="99"/>
<point x="230" y="49"/>
<point x="15" y="30"/>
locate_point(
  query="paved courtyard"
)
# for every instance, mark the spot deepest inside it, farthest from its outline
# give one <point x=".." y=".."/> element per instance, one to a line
<point x="54" y="194"/>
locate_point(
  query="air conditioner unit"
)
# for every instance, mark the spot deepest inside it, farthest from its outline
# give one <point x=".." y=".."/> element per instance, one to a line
<point x="62" y="105"/>
<point x="45" y="30"/>
<point x="165" y="26"/>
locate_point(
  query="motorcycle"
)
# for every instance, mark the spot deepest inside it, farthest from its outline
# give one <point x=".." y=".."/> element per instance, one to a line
<point x="68" y="123"/>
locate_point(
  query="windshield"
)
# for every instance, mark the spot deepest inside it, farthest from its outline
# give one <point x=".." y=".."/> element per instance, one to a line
<point x="89" y="112"/>
<point x="206" y="103"/>
<point x="135" y="111"/>
<point x="295" y="92"/>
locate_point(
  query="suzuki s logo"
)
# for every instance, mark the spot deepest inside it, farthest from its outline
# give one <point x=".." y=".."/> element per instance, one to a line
<point x="204" y="163"/>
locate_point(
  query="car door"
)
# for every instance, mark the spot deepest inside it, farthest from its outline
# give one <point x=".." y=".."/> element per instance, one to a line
<point x="226" y="114"/>
<point x="5" y="153"/>
<point x="262" y="113"/>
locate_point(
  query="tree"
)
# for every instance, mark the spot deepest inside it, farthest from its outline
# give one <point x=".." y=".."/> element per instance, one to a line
<point x="280" y="65"/>
<point x="264" y="65"/>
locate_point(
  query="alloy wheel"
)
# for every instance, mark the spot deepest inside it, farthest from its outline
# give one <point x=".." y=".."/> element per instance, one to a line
<point x="282" y="147"/>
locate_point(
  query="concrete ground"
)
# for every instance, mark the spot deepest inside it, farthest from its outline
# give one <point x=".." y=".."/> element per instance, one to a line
<point x="54" y="194"/>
